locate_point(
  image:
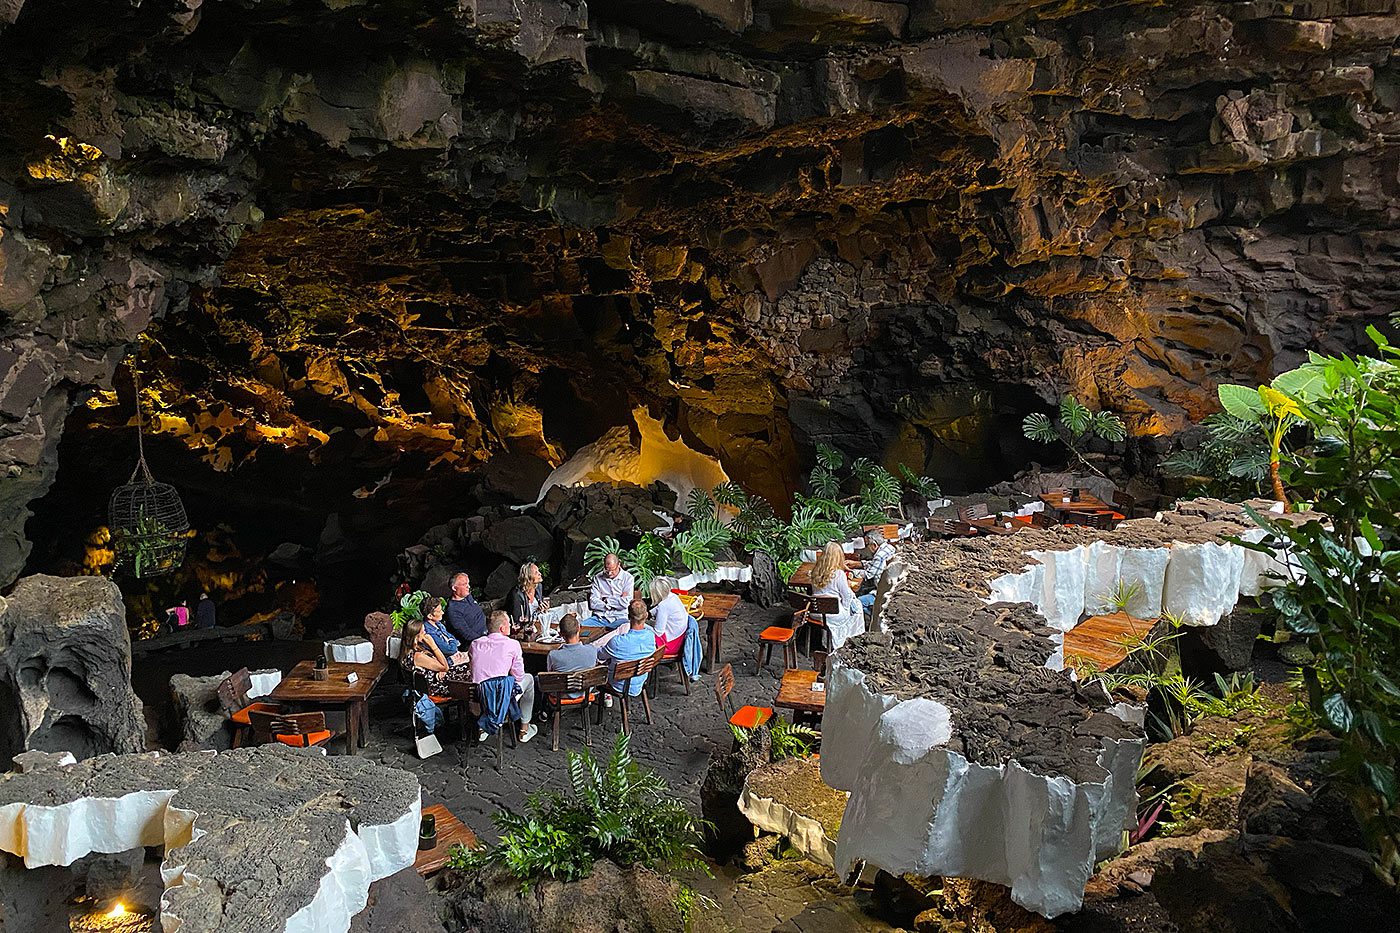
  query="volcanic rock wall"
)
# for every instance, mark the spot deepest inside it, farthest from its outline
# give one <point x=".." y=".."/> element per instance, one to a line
<point x="771" y="221"/>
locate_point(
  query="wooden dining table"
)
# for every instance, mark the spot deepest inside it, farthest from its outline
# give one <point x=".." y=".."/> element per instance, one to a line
<point x="1084" y="502"/>
<point x="713" y="612"/>
<point x="802" y="576"/>
<point x="300" y="688"/>
<point x="586" y="634"/>
<point x="795" y="693"/>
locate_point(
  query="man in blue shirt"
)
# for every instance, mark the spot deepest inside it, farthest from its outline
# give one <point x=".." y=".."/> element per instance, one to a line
<point x="874" y="567"/>
<point x="465" y="618"/>
<point x="639" y="641"/>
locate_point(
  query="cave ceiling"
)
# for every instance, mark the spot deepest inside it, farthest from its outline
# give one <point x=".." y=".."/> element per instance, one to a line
<point x="460" y="229"/>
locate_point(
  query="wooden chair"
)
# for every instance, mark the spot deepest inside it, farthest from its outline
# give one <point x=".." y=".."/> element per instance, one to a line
<point x="783" y="635"/>
<point x="557" y="685"/>
<point x="1042" y="520"/>
<point x="472" y="692"/>
<point x="817" y="613"/>
<point x="1102" y="520"/>
<point x="626" y="672"/>
<point x="1129" y="506"/>
<point x="745" y="717"/>
<point x="299" y="730"/>
<point x="233" y="697"/>
<point x="676" y="661"/>
<point x="971" y="513"/>
<point x="447" y="704"/>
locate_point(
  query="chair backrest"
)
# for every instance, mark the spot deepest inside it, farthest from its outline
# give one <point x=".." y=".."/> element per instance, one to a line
<point x="461" y="690"/>
<point x="826" y="605"/>
<point x="1042" y="520"/>
<point x="627" y="671"/>
<point x="1089" y="519"/>
<point x="420" y="681"/>
<point x="557" y="682"/>
<point x="724" y="686"/>
<point x="969" y="513"/>
<point x="378" y="628"/>
<point x="1124" y="503"/>
<point x="819" y="663"/>
<point x="798" y="600"/>
<point x="266" y="723"/>
<point x="233" y="690"/>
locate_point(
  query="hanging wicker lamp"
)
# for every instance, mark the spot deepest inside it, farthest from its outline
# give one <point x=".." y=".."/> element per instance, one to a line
<point x="147" y="519"/>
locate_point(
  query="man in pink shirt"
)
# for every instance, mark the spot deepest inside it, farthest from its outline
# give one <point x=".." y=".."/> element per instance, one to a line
<point x="496" y="654"/>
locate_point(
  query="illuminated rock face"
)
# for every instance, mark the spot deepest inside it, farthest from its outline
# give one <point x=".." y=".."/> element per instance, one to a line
<point x="965" y="749"/>
<point x="268" y="838"/>
<point x="768" y="222"/>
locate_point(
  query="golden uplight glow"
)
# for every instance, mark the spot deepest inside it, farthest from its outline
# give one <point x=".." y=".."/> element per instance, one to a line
<point x="118" y="910"/>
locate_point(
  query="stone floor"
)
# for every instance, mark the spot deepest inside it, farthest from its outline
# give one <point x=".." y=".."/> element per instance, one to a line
<point x="789" y="895"/>
<point x="677" y="744"/>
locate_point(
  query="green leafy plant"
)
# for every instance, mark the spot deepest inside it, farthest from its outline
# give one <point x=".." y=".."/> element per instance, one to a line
<point x="1232" y="461"/>
<point x="150" y="548"/>
<point x="788" y="739"/>
<point x="410" y="608"/>
<point x="1121" y="597"/>
<point x="1076" y="425"/>
<point x="1341" y="587"/>
<point x="1273" y="411"/>
<point x="615" y="810"/>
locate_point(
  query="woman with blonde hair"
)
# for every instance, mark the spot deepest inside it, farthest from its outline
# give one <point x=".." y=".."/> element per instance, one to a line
<point x="526" y="600"/>
<point x="668" y="615"/>
<point x="829" y="579"/>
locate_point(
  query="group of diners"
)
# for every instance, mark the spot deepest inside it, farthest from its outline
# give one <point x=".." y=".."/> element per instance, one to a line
<point x="457" y="640"/>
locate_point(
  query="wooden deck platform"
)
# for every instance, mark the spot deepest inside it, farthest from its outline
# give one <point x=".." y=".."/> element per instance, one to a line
<point x="450" y="832"/>
<point x="1103" y="641"/>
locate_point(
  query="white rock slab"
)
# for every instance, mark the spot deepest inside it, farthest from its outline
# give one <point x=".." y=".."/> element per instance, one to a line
<point x="917" y="806"/>
<point x="263" y="682"/>
<point x="1203" y="581"/>
<point x="1062" y="590"/>
<point x="360" y="652"/>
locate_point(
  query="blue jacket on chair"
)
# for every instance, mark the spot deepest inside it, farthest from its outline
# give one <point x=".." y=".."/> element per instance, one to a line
<point x="498" y="703"/>
<point x="692" y="653"/>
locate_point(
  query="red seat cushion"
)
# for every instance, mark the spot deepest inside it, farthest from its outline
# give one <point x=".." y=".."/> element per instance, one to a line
<point x="305" y="741"/>
<point x="568" y="701"/>
<point x="816" y="620"/>
<point x="751" y="717"/>
<point x="776" y="633"/>
<point x="440" y="700"/>
<point x="241" y="717"/>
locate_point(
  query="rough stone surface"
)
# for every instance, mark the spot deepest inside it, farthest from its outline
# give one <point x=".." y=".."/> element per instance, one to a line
<point x="493" y="227"/>
<point x="966" y="750"/>
<point x="65" y="669"/>
<point x="199" y="719"/>
<point x="609" y="899"/>
<point x="265" y="838"/>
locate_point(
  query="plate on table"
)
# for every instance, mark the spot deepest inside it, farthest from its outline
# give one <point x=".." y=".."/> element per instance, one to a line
<point x="549" y="639"/>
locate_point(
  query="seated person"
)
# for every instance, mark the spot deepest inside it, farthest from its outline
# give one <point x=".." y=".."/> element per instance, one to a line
<point x="668" y="615"/>
<point x="870" y="573"/>
<point x="638" y="640"/>
<point x="611" y="591"/>
<point x="526" y="601"/>
<point x="465" y="618"/>
<point x="829" y="579"/>
<point x="447" y="642"/>
<point x="496" y="654"/>
<point x="419" y="653"/>
<point x="573" y="655"/>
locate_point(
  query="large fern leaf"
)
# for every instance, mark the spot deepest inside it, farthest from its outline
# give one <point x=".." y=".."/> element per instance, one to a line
<point x="824" y="483"/>
<point x="1038" y="427"/>
<point x="597" y="551"/>
<point x="1107" y="425"/>
<point x="829" y="457"/>
<point x="699" y="504"/>
<point x="1074" y="416"/>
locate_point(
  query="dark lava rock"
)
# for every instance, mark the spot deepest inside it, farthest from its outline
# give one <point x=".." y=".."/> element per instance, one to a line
<point x="610" y="899"/>
<point x="199" y="718"/>
<point x="1222" y="648"/>
<point x="400" y="903"/>
<point x="518" y="538"/>
<point x="65" y="669"/>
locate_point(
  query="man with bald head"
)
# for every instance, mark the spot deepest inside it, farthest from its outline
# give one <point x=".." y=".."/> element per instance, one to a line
<point x="611" y="592"/>
<point x="464" y="617"/>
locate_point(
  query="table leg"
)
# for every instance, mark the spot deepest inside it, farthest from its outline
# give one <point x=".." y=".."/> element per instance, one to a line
<point x="715" y="636"/>
<point x="352" y="728"/>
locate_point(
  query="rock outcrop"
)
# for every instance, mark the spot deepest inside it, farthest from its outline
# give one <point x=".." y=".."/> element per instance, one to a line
<point x="966" y="751"/>
<point x="497" y="227"/>
<point x="268" y="838"/>
<point x="65" y="670"/>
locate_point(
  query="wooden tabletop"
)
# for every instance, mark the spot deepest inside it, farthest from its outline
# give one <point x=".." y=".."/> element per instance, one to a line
<point x="796" y="693"/>
<point x="450" y="832"/>
<point x="586" y="634"/>
<point x="1084" y="502"/>
<point x="718" y="606"/>
<point x="299" y="686"/>
<point x="996" y="526"/>
<point x="1103" y="641"/>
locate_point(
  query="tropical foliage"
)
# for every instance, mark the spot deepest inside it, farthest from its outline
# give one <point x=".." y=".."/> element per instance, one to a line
<point x="614" y="810"/>
<point x="1074" y="428"/>
<point x="1232" y="461"/>
<point x="150" y="548"/>
<point x="1341" y="589"/>
<point x="789" y="739"/>
<point x="410" y="608"/>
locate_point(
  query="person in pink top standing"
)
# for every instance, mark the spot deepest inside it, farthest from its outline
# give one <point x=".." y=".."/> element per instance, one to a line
<point x="496" y="654"/>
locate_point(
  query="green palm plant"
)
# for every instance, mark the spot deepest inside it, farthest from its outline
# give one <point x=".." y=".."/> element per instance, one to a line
<point x="1077" y="424"/>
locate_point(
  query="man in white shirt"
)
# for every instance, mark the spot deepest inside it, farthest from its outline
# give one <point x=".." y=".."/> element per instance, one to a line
<point x="610" y="594"/>
<point x="872" y="568"/>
